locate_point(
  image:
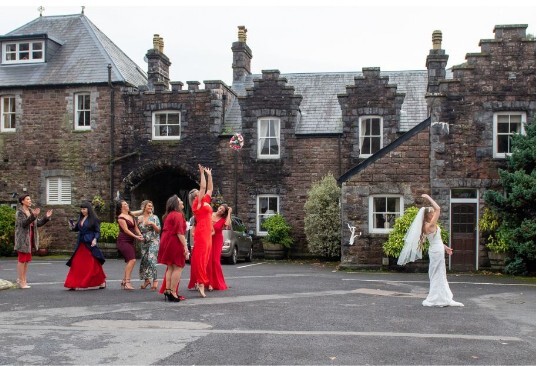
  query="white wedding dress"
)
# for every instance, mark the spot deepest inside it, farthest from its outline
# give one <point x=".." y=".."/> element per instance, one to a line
<point x="439" y="292"/>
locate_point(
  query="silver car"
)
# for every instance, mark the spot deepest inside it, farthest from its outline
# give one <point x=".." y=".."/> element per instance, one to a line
<point x="237" y="242"/>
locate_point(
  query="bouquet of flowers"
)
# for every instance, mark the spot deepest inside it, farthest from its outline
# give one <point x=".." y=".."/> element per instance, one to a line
<point x="236" y="142"/>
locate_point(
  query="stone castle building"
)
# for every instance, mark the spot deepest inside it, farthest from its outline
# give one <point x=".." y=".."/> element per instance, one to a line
<point x="80" y="119"/>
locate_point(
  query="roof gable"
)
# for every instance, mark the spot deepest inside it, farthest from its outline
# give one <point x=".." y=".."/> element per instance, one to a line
<point x="320" y="109"/>
<point x="82" y="58"/>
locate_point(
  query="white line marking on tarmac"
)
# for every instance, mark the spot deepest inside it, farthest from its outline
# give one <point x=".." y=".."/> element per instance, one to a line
<point x="450" y="282"/>
<point x="251" y="265"/>
<point x="198" y="328"/>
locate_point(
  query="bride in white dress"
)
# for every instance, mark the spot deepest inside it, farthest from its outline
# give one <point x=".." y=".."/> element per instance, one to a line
<point x="425" y="225"/>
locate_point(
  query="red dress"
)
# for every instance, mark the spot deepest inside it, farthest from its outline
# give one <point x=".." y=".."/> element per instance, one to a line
<point x="85" y="271"/>
<point x="171" y="250"/>
<point x="214" y="268"/>
<point x="202" y="242"/>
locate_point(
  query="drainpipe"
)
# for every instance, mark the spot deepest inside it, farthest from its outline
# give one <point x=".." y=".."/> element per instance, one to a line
<point x="112" y="152"/>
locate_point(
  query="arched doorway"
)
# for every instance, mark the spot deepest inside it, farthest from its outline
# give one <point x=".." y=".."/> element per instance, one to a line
<point x="158" y="183"/>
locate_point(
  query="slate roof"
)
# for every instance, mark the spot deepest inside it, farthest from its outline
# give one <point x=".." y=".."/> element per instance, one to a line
<point x="82" y="58"/>
<point x="321" y="112"/>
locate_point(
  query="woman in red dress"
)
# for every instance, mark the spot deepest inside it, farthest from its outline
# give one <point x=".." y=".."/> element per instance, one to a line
<point x="200" y="202"/>
<point x="128" y="234"/>
<point x="221" y="219"/>
<point x="87" y="260"/>
<point x="173" y="250"/>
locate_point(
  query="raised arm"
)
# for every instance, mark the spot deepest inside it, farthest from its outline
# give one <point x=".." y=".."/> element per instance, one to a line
<point x="228" y="218"/>
<point x="209" y="181"/>
<point x="436" y="208"/>
<point x="203" y="185"/>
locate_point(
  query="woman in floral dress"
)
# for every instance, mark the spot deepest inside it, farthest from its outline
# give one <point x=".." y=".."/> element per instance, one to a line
<point x="149" y="226"/>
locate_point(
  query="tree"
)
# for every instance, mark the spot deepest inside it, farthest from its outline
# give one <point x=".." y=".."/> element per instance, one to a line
<point x="322" y="222"/>
<point x="515" y="206"/>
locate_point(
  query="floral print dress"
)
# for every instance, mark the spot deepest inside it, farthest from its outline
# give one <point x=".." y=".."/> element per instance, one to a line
<point x="150" y="245"/>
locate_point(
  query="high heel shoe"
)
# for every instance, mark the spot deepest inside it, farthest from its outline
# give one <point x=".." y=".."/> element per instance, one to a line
<point x="122" y="284"/>
<point x="167" y="293"/>
<point x="145" y="284"/>
<point x="201" y="290"/>
<point x="173" y="298"/>
<point x="102" y="286"/>
<point x="155" y="285"/>
<point x="127" y="285"/>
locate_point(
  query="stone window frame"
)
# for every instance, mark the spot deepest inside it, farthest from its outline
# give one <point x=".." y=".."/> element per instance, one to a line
<point x="361" y="133"/>
<point x="154" y="125"/>
<point x="31" y="57"/>
<point x="373" y="211"/>
<point x="277" y="137"/>
<point x="86" y="110"/>
<point x="496" y="133"/>
<point x="64" y="187"/>
<point x="260" y="216"/>
<point x="3" y="112"/>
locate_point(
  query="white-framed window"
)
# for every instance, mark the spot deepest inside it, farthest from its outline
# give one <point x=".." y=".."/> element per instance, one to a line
<point x="267" y="205"/>
<point x="506" y="124"/>
<point x="8" y="113"/>
<point x="23" y="52"/>
<point x="268" y="141"/>
<point x="370" y="135"/>
<point x="58" y="191"/>
<point x="82" y="111"/>
<point x="383" y="211"/>
<point x="166" y="125"/>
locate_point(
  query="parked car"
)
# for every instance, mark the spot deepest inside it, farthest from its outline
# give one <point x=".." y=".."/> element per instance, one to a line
<point x="237" y="245"/>
<point x="237" y="242"/>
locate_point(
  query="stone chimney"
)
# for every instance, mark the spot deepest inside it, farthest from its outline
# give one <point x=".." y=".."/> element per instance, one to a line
<point x="158" y="66"/>
<point x="436" y="63"/>
<point x="242" y="56"/>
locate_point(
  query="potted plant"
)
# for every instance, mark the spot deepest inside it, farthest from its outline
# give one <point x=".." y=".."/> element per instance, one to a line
<point x="107" y="242"/>
<point x="278" y="238"/>
<point x="45" y="239"/>
<point x="489" y="226"/>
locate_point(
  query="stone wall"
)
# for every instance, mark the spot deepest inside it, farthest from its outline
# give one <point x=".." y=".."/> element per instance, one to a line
<point x="46" y="144"/>
<point x="403" y="171"/>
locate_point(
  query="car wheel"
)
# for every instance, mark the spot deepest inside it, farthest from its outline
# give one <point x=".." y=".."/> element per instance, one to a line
<point x="233" y="258"/>
<point x="250" y="256"/>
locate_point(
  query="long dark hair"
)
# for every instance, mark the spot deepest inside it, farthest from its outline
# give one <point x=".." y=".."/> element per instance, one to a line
<point x="92" y="219"/>
<point x="226" y="209"/>
<point x="118" y="209"/>
<point x="172" y="204"/>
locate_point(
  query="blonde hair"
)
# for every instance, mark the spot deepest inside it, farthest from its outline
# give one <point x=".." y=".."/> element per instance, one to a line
<point x="192" y="195"/>
<point x="145" y="203"/>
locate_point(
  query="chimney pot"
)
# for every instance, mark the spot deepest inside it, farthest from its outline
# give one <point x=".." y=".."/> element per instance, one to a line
<point x="242" y="33"/>
<point x="156" y="41"/>
<point x="437" y="40"/>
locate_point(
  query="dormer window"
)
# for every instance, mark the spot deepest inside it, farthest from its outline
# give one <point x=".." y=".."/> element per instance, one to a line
<point x="23" y="52"/>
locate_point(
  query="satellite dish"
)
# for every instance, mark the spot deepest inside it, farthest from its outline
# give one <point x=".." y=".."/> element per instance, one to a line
<point x="145" y="59"/>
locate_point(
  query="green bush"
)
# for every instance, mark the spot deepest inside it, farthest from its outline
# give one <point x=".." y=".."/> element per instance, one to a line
<point x="515" y="204"/>
<point x="490" y="227"/>
<point x="322" y="221"/>
<point x="279" y="231"/>
<point x="395" y="243"/>
<point x="109" y="232"/>
<point x="7" y="231"/>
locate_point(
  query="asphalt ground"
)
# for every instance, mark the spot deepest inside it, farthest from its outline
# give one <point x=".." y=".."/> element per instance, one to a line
<point x="274" y="313"/>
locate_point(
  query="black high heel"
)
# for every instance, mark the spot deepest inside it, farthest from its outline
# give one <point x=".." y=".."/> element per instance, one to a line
<point x="167" y="294"/>
<point x="172" y="298"/>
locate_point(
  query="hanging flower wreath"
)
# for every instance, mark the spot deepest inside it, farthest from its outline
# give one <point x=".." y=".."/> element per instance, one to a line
<point x="236" y="142"/>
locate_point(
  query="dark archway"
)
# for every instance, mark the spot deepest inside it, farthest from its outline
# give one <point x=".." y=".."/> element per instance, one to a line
<point x="157" y="182"/>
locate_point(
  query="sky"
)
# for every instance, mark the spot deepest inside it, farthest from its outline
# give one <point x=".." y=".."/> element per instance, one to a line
<point x="323" y="36"/>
